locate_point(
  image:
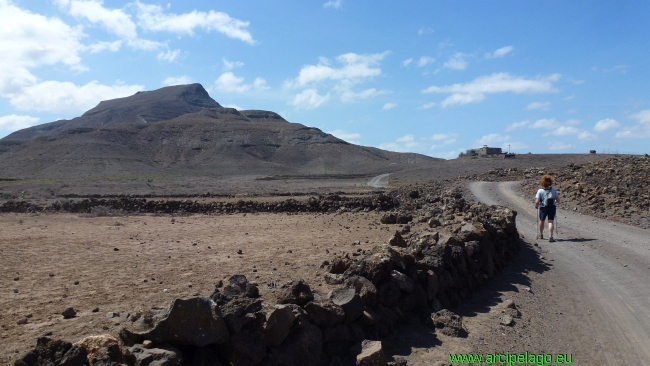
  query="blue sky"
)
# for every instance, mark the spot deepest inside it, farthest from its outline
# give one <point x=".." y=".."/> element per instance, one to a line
<point x="432" y="77"/>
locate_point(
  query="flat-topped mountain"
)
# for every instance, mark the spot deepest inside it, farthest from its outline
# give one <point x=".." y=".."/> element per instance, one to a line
<point x="181" y="129"/>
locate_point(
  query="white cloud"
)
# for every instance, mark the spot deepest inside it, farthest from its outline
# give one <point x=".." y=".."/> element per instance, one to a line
<point x="547" y="124"/>
<point x="348" y="96"/>
<point x="544" y="106"/>
<point x="425" y="30"/>
<point x="169" y="55"/>
<point x="260" y="84"/>
<point x="233" y="106"/>
<point x="563" y="131"/>
<point x="405" y="143"/>
<point x="354" y="69"/>
<point x="115" y="21"/>
<point x="177" y="80"/>
<point x="457" y="62"/>
<point x="352" y="138"/>
<point x="475" y="90"/>
<point x="388" y="106"/>
<point x="425" y="60"/>
<point x="573" y="122"/>
<point x="101" y="46"/>
<point x="572" y="110"/>
<point x="586" y="136"/>
<point x="443" y="136"/>
<point x="557" y="145"/>
<point x="29" y="41"/>
<point x="492" y="139"/>
<point x="407" y="62"/>
<point x="462" y="99"/>
<point x="500" y="52"/>
<point x="14" y="122"/>
<point x="606" y="124"/>
<point x="336" y="4"/>
<point x="227" y="65"/>
<point x="517" y="125"/>
<point x="569" y="97"/>
<point x="576" y="81"/>
<point x="153" y="18"/>
<point x="66" y="97"/>
<point x="640" y="130"/>
<point x="427" y="105"/>
<point x="309" y="99"/>
<point x="228" y="82"/>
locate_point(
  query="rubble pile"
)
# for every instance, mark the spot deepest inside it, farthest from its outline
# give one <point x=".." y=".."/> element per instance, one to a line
<point x="616" y="188"/>
<point x="458" y="245"/>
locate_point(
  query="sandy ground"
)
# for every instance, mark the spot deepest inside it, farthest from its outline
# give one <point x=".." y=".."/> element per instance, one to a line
<point x="43" y="257"/>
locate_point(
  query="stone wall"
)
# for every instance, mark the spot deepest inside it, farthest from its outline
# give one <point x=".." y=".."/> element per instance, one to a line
<point x="462" y="245"/>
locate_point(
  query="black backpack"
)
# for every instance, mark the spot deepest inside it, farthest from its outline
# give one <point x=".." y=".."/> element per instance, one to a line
<point x="549" y="200"/>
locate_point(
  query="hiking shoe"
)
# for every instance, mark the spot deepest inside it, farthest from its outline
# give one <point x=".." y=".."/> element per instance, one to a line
<point x="551" y="240"/>
<point x="540" y="236"/>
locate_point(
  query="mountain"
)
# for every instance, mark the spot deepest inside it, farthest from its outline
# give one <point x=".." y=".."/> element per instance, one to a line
<point x="181" y="130"/>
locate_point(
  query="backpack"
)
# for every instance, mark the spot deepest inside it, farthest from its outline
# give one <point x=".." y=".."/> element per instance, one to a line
<point x="549" y="200"/>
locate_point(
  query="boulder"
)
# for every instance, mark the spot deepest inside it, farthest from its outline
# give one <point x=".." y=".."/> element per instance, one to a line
<point x="432" y="285"/>
<point x="449" y="323"/>
<point x="110" y="356"/>
<point x="372" y="354"/>
<point x="351" y="303"/>
<point x="364" y="288"/>
<point x="296" y="292"/>
<point x="397" y="240"/>
<point x="389" y="218"/>
<point x="404" y="283"/>
<point x="47" y="351"/>
<point x="69" y="313"/>
<point x="239" y="312"/>
<point x="92" y="344"/>
<point x="195" y="321"/>
<point x="324" y="313"/>
<point x="278" y="324"/>
<point x="163" y="356"/>
<point x="237" y="286"/>
<point x="303" y="347"/>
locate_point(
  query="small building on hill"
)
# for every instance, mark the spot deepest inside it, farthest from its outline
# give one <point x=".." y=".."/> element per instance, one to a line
<point x="482" y="151"/>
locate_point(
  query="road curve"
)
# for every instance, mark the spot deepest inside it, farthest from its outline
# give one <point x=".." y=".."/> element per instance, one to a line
<point x="604" y="265"/>
<point x="380" y="181"/>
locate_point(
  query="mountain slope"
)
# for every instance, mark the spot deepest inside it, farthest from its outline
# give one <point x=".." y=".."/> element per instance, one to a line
<point x="182" y="130"/>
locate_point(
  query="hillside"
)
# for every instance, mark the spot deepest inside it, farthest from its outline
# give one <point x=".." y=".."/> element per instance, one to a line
<point x="182" y="130"/>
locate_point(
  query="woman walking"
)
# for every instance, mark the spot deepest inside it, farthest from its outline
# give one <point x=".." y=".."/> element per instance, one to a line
<point x="545" y="201"/>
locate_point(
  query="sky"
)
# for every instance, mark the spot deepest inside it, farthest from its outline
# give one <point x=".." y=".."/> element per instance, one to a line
<point x="432" y="77"/>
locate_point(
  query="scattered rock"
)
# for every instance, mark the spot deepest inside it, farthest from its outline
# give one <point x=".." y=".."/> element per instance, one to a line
<point x="22" y="321"/>
<point x="397" y="241"/>
<point x="449" y="323"/>
<point x="325" y="313"/>
<point x="296" y="292"/>
<point x="69" y="313"/>
<point x="372" y="354"/>
<point x="506" y="320"/>
<point x="93" y="344"/>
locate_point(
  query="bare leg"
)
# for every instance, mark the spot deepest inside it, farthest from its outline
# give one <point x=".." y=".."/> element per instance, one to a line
<point x="550" y="227"/>
<point x="541" y="227"/>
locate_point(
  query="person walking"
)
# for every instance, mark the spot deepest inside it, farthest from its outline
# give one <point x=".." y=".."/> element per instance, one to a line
<point x="545" y="201"/>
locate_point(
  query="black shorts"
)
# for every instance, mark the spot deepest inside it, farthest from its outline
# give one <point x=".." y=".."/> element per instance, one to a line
<point x="547" y="211"/>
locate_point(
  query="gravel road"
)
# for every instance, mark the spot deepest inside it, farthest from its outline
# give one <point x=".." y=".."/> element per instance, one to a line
<point x="380" y="181"/>
<point x="601" y="267"/>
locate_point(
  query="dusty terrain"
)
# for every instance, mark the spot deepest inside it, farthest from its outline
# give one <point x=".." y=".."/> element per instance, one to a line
<point x="584" y="295"/>
<point x="43" y="256"/>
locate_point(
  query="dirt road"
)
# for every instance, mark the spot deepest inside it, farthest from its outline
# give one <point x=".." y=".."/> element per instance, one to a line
<point x="380" y="181"/>
<point x="601" y="267"/>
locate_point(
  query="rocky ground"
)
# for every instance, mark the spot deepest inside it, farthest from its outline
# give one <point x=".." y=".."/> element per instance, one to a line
<point x="55" y="261"/>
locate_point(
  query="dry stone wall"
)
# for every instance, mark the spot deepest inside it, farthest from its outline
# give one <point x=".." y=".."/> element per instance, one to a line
<point x="458" y="246"/>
